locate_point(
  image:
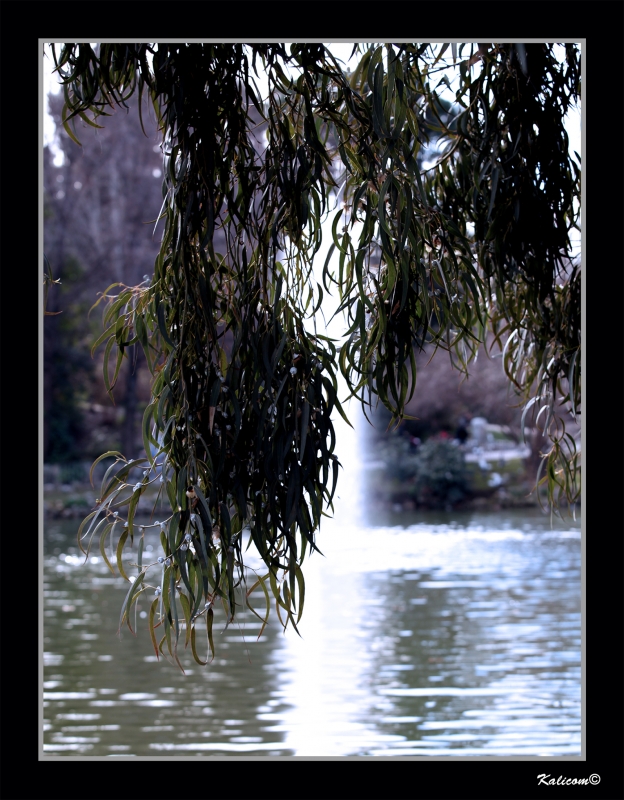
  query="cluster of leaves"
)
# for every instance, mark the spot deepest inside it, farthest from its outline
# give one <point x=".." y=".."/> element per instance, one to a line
<point x="511" y="179"/>
<point x="243" y="385"/>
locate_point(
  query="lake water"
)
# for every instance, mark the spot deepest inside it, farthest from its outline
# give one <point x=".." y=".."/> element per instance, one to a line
<point x="422" y="635"/>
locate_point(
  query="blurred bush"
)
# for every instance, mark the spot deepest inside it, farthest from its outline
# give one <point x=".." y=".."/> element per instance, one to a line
<point x="433" y="476"/>
<point x="440" y="480"/>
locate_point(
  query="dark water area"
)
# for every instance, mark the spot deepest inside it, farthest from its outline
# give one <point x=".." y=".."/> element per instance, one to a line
<point x="440" y="635"/>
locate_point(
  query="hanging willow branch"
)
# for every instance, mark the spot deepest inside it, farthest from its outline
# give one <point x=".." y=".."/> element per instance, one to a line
<point x="243" y="387"/>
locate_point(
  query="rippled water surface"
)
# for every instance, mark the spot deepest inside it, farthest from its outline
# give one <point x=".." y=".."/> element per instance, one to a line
<point x="448" y="635"/>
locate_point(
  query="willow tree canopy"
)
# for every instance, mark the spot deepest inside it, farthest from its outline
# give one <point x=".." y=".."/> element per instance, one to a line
<point x="244" y="386"/>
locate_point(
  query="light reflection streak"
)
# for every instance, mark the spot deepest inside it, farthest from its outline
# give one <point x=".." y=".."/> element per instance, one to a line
<point x="338" y="683"/>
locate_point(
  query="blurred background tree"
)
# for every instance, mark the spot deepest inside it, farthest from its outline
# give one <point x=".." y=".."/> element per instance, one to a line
<point x="100" y="206"/>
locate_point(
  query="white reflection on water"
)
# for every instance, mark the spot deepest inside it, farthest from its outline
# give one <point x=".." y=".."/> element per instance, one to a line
<point x="506" y="649"/>
<point x="486" y="621"/>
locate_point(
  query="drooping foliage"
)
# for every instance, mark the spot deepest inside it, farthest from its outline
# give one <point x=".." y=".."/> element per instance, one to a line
<point x="239" y="430"/>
